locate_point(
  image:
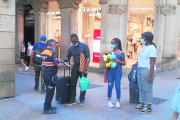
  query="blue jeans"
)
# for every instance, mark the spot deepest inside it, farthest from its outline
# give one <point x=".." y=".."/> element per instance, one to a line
<point x="114" y="75"/>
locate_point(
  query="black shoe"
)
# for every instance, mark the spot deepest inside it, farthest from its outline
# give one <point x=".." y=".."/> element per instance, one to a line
<point x="36" y="88"/>
<point x="70" y="103"/>
<point x="82" y="102"/>
<point x="43" y="91"/>
<point x="146" y="111"/>
<point x="53" y="108"/>
<point x="49" y="111"/>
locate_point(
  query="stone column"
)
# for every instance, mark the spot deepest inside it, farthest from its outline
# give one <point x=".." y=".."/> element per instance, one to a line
<point x="39" y="9"/>
<point x="166" y="34"/>
<point x="113" y="24"/>
<point x="7" y="48"/>
<point x="69" y="23"/>
<point x="19" y="31"/>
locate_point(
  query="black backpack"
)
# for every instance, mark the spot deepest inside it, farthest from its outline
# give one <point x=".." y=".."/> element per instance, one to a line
<point x="37" y="55"/>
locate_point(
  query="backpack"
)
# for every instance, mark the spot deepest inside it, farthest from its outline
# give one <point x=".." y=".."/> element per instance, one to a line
<point x="132" y="76"/>
<point x="37" y="55"/>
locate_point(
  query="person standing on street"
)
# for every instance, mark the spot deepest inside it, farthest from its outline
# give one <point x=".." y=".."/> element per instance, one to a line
<point x="115" y="74"/>
<point x="146" y="72"/>
<point x="50" y="65"/>
<point x="22" y="57"/>
<point x="30" y="47"/>
<point x="75" y="51"/>
<point x="37" y="67"/>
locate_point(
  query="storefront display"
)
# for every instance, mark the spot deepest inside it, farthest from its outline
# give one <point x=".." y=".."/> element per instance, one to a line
<point x="91" y="27"/>
<point x="54" y="25"/>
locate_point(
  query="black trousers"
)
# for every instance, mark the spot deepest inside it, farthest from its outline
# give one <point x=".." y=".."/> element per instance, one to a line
<point x="28" y="60"/>
<point x="50" y="87"/>
<point x="75" y="74"/>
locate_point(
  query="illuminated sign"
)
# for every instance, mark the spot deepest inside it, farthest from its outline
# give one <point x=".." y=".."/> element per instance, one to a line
<point x="53" y="13"/>
<point x="91" y="10"/>
<point x="134" y="8"/>
<point x="99" y="14"/>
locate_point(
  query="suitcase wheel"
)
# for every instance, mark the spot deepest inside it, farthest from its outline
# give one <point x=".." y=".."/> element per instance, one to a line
<point x="59" y="100"/>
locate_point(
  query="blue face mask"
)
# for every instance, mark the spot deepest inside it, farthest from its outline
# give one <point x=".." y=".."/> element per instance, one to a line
<point x="22" y="45"/>
<point x="113" y="46"/>
<point x="75" y="45"/>
<point x="28" y="44"/>
<point x="143" y="42"/>
<point x="53" y="49"/>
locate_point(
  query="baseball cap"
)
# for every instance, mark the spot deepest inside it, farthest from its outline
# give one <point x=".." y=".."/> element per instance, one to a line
<point x="43" y="37"/>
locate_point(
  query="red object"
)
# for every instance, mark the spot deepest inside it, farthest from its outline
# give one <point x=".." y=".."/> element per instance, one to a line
<point x="106" y="76"/>
<point x="97" y="33"/>
<point x="96" y="57"/>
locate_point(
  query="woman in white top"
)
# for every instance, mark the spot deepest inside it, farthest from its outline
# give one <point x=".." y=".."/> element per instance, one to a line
<point x="22" y="57"/>
<point x="146" y="72"/>
<point x="29" y="51"/>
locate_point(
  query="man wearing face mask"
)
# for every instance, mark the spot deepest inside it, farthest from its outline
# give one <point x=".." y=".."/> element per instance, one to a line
<point x="75" y="51"/>
<point x="50" y="65"/>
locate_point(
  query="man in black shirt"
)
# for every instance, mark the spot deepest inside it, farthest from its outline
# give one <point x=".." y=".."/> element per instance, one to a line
<point x="75" y="51"/>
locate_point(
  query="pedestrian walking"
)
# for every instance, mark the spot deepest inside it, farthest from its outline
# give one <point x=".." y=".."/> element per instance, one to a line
<point x="146" y="72"/>
<point x="38" y="48"/>
<point x="75" y="51"/>
<point x="30" y="47"/>
<point x="115" y="74"/>
<point x="176" y="104"/>
<point x="50" y="65"/>
<point x="22" y="57"/>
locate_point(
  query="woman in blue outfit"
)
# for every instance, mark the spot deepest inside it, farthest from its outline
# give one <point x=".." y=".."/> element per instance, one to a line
<point x="115" y="74"/>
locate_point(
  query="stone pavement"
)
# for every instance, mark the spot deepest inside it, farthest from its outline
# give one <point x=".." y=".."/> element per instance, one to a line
<point x="28" y="104"/>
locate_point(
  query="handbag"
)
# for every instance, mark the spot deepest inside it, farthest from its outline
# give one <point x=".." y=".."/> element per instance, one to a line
<point x="106" y="75"/>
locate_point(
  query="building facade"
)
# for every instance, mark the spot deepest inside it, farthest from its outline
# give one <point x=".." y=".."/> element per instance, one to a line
<point x="98" y="21"/>
<point x="7" y="48"/>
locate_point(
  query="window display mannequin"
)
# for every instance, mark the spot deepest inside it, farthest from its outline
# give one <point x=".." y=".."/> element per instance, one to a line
<point x="88" y="38"/>
<point x="57" y="37"/>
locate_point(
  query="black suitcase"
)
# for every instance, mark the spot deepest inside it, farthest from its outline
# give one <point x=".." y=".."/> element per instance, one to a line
<point x="134" y="94"/>
<point x="133" y="86"/>
<point x="63" y="89"/>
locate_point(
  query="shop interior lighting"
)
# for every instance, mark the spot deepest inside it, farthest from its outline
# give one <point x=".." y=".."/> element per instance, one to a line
<point x="144" y="9"/>
<point x="57" y="17"/>
<point x="53" y="13"/>
<point x="95" y="14"/>
<point x="146" y="1"/>
<point x="138" y="3"/>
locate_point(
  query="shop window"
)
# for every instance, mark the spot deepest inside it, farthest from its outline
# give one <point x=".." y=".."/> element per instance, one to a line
<point x="91" y="28"/>
<point x="140" y="19"/>
<point x="54" y="25"/>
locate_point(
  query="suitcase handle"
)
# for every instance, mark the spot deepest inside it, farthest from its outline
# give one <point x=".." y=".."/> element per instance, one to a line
<point x="69" y="71"/>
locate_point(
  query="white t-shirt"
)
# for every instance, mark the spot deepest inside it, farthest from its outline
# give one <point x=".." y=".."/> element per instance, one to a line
<point x="30" y="48"/>
<point x="145" y="54"/>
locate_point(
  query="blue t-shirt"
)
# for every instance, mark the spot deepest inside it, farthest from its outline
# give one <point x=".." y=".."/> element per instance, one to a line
<point x="41" y="44"/>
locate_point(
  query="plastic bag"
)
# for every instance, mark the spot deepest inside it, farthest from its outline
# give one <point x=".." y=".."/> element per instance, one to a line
<point x="84" y="83"/>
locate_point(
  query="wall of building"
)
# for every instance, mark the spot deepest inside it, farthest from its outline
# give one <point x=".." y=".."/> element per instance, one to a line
<point x="7" y="48"/>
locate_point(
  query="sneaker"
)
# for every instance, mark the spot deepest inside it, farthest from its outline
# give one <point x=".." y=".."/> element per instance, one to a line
<point x="43" y="91"/>
<point x="82" y="103"/>
<point x="20" y="69"/>
<point x="70" y="103"/>
<point x="53" y="108"/>
<point x="36" y="88"/>
<point x="26" y="68"/>
<point x="110" y="104"/>
<point x="146" y="111"/>
<point x="118" y="105"/>
<point x="138" y="107"/>
<point x="49" y="111"/>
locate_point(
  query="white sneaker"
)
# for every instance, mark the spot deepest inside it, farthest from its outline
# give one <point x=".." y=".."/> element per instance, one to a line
<point x="20" y="69"/>
<point x="110" y="104"/>
<point x="26" y="68"/>
<point x="118" y="105"/>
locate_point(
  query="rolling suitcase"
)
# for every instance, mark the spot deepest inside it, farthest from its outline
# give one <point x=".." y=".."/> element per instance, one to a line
<point x="133" y="86"/>
<point x="63" y="89"/>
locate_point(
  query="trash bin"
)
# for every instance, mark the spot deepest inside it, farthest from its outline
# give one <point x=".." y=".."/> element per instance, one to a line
<point x="133" y="86"/>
